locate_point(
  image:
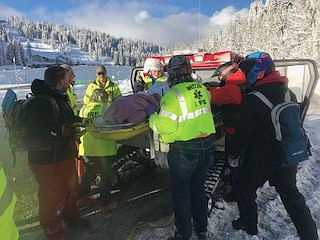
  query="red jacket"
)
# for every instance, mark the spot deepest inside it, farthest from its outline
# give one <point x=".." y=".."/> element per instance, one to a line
<point x="231" y="93"/>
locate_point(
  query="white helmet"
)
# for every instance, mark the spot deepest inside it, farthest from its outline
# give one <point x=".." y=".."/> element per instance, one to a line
<point x="148" y="64"/>
<point x="156" y="65"/>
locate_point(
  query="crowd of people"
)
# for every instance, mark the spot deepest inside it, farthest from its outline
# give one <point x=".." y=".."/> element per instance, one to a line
<point x="185" y="121"/>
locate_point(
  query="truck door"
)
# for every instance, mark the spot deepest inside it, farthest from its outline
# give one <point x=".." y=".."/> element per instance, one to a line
<point x="303" y="77"/>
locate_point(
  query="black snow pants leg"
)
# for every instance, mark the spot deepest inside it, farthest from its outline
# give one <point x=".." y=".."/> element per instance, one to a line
<point x="284" y="180"/>
<point x="247" y="205"/>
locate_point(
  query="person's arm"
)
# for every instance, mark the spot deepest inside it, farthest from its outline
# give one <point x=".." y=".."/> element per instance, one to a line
<point x="166" y="121"/>
<point x="247" y="126"/>
<point x="88" y="94"/>
<point x="228" y="94"/>
<point x="117" y="92"/>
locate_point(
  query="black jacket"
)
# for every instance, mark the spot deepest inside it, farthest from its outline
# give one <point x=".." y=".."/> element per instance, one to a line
<point x="255" y="133"/>
<point x="46" y="125"/>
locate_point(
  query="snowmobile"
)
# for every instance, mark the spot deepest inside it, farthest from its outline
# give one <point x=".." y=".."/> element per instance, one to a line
<point x="139" y="142"/>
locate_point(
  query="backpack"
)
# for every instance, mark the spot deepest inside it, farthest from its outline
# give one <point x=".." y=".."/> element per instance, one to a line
<point x="289" y="131"/>
<point x="14" y="114"/>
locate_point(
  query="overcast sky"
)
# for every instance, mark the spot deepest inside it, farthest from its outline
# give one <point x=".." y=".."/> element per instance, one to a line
<point x="164" y="22"/>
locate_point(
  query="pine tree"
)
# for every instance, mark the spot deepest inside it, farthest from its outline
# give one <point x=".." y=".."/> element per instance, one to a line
<point x="2" y="58"/>
<point x="29" y="52"/>
<point x="9" y="53"/>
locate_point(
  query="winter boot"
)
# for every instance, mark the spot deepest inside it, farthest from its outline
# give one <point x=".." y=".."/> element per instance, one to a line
<point x="202" y="235"/>
<point x="239" y="225"/>
<point x="176" y="236"/>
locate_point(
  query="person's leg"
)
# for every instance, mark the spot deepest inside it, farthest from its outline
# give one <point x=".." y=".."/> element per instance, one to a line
<point x="247" y="209"/>
<point x="181" y="165"/>
<point x="89" y="176"/>
<point x="105" y="170"/>
<point x="198" y="196"/>
<point x="284" y="180"/>
<point x="70" y="212"/>
<point x="234" y="172"/>
<point x="51" y="199"/>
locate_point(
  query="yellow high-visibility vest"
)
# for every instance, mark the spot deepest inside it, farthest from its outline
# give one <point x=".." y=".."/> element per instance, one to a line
<point x="90" y="146"/>
<point x="148" y="81"/>
<point x="185" y="113"/>
<point x="8" y="229"/>
<point x="72" y="100"/>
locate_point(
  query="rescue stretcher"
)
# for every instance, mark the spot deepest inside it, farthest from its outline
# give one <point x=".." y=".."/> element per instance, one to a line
<point x="137" y="135"/>
<point x="117" y="132"/>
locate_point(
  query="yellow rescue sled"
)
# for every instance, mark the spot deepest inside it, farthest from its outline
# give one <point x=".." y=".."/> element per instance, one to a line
<point x="117" y="132"/>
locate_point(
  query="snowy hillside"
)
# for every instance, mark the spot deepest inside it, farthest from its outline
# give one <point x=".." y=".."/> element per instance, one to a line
<point x="41" y="52"/>
<point x="41" y="49"/>
<point x="77" y="44"/>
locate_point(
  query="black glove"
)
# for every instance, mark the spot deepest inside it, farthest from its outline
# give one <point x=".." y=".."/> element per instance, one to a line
<point x="141" y="86"/>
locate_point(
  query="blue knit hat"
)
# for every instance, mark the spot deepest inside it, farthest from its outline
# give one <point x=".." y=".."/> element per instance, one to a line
<point x="256" y="65"/>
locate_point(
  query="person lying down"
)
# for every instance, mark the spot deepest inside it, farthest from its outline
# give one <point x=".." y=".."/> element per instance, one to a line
<point x="129" y="109"/>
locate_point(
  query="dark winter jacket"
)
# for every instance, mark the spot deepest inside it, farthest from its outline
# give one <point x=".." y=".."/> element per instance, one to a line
<point x="43" y="125"/>
<point x="255" y="132"/>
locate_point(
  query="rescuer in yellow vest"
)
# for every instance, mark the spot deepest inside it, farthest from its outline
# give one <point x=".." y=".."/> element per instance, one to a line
<point x="71" y="95"/>
<point x="186" y="123"/>
<point x="99" y="95"/>
<point x="155" y="74"/>
<point x="8" y="229"/>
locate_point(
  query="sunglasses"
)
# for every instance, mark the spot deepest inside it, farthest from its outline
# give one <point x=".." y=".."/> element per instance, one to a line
<point x="101" y="73"/>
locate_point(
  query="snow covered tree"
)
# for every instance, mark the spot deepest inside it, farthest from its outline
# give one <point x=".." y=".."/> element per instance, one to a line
<point x="2" y="42"/>
<point x="284" y="28"/>
<point x="29" y="52"/>
<point x="9" y="53"/>
<point x="2" y="58"/>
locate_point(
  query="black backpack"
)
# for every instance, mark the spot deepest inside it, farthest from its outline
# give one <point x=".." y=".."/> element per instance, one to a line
<point x="14" y="114"/>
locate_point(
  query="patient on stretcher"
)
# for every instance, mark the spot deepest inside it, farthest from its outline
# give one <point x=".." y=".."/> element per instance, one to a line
<point x="132" y="108"/>
<point x="129" y="109"/>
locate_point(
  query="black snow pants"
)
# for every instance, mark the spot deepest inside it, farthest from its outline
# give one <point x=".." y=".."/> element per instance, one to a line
<point x="284" y="180"/>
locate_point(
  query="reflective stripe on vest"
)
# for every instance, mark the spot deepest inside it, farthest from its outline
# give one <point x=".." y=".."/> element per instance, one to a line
<point x="184" y="110"/>
<point x="87" y="96"/>
<point x="7" y="195"/>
